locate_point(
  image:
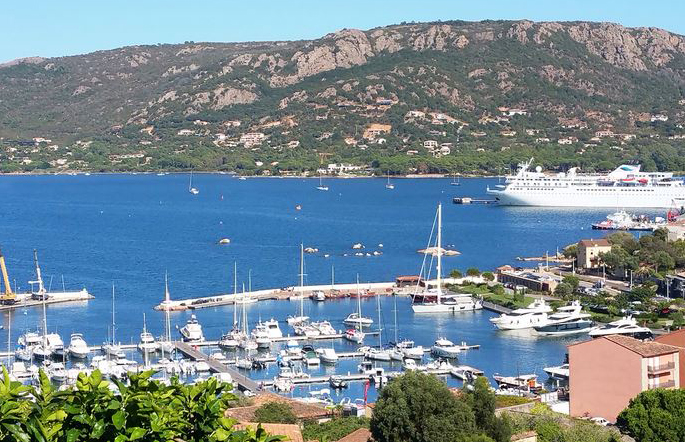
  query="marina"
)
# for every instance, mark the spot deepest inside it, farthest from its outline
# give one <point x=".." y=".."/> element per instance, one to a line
<point x="198" y="267"/>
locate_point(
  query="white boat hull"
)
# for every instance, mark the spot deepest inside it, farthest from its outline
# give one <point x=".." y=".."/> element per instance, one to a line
<point x="609" y="198"/>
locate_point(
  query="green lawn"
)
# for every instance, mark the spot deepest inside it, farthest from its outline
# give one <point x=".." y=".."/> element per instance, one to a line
<point x="508" y="300"/>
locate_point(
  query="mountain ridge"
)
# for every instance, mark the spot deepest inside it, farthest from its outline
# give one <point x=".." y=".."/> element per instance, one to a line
<point x="571" y="78"/>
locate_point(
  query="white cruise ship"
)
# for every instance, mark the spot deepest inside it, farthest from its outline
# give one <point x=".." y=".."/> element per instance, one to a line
<point x="625" y="187"/>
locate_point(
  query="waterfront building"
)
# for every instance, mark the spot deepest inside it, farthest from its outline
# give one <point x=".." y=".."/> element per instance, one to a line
<point x="589" y="251"/>
<point x="605" y="373"/>
<point x="529" y="278"/>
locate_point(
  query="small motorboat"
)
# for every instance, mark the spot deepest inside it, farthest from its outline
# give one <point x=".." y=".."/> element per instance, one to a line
<point x="311" y="358"/>
<point x="77" y="346"/>
<point x="319" y="296"/>
<point x="337" y="382"/>
<point x="354" y="319"/>
<point x="445" y="348"/>
<point x="224" y="241"/>
<point x="328" y="356"/>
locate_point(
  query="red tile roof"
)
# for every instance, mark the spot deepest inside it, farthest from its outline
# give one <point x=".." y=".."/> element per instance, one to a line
<point x="360" y="435"/>
<point x="595" y="242"/>
<point x="646" y="349"/>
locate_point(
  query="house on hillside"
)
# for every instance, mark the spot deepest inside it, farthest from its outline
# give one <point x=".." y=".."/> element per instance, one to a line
<point x="589" y="251"/>
<point x="375" y="129"/>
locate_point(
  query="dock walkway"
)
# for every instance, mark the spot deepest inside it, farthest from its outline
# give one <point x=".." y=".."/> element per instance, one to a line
<point x="243" y="382"/>
<point x="496" y="308"/>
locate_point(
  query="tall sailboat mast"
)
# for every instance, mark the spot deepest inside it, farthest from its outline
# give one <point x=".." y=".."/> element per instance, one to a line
<point x="359" y="304"/>
<point x="42" y="294"/>
<point x="235" y="294"/>
<point x="439" y="268"/>
<point x="301" y="280"/>
<point x="167" y="299"/>
<point x="380" y="329"/>
<point x="114" y="324"/>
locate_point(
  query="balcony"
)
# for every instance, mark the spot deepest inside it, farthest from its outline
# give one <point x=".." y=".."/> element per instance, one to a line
<point x="660" y="368"/>
<point x="667" y="384"/>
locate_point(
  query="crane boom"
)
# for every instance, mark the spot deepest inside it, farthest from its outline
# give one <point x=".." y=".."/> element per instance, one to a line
<point x="8" y="297"/>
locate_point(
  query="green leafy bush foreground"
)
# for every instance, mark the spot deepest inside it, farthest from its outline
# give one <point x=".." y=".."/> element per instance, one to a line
<point x="146" y="410"/>
<point x="335" y="429"/>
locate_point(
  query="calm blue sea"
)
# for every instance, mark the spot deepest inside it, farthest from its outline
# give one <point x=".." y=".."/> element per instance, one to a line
<point x="127" y="230"/>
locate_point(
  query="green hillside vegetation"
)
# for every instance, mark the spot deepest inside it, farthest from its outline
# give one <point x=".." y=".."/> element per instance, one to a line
<point x="465" y="83"/>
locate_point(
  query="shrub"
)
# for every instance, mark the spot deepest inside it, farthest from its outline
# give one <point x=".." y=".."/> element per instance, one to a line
<point x="275" y="413"/>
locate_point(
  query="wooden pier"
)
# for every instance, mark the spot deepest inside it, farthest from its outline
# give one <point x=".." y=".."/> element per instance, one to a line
<point x="242" y="381"/>
<point x="496" y="308"/>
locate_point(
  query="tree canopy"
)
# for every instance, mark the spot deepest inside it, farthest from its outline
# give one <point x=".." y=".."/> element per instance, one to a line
<point x="655" y="416"/>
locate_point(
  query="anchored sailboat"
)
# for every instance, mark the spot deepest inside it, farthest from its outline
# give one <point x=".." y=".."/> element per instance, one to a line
<point x="192" y="189"/>
<point x="321" y="186"/>
<point x="389" y="185"/>
<point x="355" y="334"/>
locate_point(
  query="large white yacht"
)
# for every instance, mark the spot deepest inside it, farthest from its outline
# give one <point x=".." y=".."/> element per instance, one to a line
<point x="192" y="331"/>
<point x="627" y="186"/>
<point x="624" y="326"/>
<point x="567" y="320"/>
<point x="534" y="314"/>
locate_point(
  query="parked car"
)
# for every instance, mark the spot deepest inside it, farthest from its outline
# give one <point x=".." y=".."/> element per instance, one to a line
<point x="600" y="421"/>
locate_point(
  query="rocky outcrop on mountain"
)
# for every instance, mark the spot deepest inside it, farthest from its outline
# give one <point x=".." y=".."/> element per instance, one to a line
<point x="466" y="68"/>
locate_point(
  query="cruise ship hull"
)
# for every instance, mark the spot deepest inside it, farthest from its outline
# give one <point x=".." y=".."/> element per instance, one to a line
<point x="609" y="198"/>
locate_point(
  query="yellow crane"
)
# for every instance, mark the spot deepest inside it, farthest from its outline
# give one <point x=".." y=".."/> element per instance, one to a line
<point x="7" y="297"/>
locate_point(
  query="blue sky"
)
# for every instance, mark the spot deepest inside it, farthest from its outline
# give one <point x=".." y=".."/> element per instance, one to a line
<point x="67" y="27"/>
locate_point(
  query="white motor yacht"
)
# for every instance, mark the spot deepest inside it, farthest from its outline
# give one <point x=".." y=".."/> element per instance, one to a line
<point x="20" y="372"/>
<point x="297" y="320"/>
<point x="261" y="336"/>
<point x="244" y="363"/>
<point x="535" y="314"/>
<point x="56" y="345"/>
<point x="78" y="348"/>
<point x="318" y="295"/>
<point x="273" y="329"/>
<point x="355" y="319"/>
<point x="30" y="339"/>
<point x="624" y="326"/>
<point x="445" y="348"/>
<point x="328" y="356"/>
<point x="377" y="354"/>
<point x="567" y="320"/>
<point x="231" y="340"/>
<point x="147" y="341"/>
<point x="57" y="372"/>
<point x="410" y="350"/>
<point x="192" y="331"/>
<point x="324" y="327"/>
<point x="560" y="372"/>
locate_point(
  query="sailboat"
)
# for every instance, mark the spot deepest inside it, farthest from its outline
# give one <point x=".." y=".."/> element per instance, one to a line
<point x="300" y="319"/>
<point x="232" y="339"/>
<point x="51" y="344"/>
<point x="321" y="186"/>
<point x="378" y="354"/>
<point x="389" y="185"/>
<point x="113" y="349"/>
<point x="433" y="300"/>
<point x="356" y="334"/>
<point x="436" y="304"/>
<point x="192" y="189"/>
<point x="404" y="348"/>
<point x="246" y="343"/>
<point x="455" y="181"/>
<point x="165" y="343"/>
